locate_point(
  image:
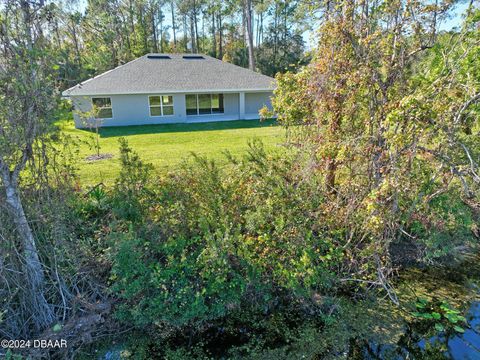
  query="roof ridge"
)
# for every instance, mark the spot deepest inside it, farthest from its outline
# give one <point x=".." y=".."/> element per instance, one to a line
<point x="167" y="53"/>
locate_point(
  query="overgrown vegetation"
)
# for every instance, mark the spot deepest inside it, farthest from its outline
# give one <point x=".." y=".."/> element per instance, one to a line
<point x="300" y="251"/>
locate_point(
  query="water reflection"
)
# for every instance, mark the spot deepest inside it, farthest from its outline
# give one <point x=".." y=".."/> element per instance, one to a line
<point x="467" y="345"/>
<point x="457" y="346"/>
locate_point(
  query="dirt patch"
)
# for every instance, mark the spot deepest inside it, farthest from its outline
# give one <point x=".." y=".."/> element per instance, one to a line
<point x="99" y="157"/>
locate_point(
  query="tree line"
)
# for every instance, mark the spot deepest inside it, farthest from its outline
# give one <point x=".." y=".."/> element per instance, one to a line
<point x="263" y="35"/>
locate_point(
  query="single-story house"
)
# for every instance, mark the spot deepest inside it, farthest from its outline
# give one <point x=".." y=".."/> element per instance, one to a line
<point x="171" y="88"/>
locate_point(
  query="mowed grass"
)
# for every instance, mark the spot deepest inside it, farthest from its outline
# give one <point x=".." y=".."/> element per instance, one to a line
<point x="167" y="146"/>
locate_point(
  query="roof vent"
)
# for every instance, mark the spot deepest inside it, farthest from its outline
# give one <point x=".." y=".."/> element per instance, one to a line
<point x="158" y="57"/>
<point x="193" y="57"/>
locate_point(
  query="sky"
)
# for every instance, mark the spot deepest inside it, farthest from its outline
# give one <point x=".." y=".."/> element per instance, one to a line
<point x="456" y="18"/>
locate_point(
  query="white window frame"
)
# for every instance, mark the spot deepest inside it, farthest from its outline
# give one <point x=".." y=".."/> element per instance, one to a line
<point x="103" y="97"/>
<point x="160" y="106"/>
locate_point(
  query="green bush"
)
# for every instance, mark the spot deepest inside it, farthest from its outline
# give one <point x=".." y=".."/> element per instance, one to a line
<point x="252" y="251"/>
<point x="215" y="240"/>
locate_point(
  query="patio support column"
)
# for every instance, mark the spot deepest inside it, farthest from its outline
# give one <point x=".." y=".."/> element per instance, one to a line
<point x="242" y="105"/>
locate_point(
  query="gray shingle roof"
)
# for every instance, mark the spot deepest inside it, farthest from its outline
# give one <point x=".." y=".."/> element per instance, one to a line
<point x="176" y="74"/>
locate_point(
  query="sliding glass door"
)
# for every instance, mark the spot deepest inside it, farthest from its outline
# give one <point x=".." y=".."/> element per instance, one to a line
<point x="191" y="101"/>
<point x="204" y="104"/>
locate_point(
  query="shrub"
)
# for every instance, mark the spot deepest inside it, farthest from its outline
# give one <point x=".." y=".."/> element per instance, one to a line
<point x="218" y="239"/>
<point x="255" y="247"/>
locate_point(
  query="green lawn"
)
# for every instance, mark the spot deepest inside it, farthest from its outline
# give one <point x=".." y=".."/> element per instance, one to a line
<point x="165" y="146"/>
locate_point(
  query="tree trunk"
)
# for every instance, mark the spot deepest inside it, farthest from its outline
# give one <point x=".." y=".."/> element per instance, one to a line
<point x="378" y="158"/>
<point x="214" y="39"/>
<point x="185" y="33"/>
<point x="114" y="57"/>
<point x="285" y="28"/>
<point x="132" y="25"/>
<point x="197" y="42"/>
<point x="57" y="33"/>
<point x="434" y="25"/>
<point x="172" y="5"/>
<point x="160" y="15"/>
<point x="256" y="23"/>
<point x="331" y="169"/>
<point x="249" y="33"/>
<point x="78" y="56"/>
<point x="203" y="28"/>
<point x="260" y="31"/>
<point x="244" y="30"/>
<point x="41" y="312"/>
<point x="192" y="32"/>
<point x="220" y="37"/>
<point x="143" y="23"/>
<point x="275" y="35"/>
<point x="331" y="166"/>
<point x="154" y="32"/>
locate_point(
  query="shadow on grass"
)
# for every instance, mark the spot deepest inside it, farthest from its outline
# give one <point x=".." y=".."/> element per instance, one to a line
<point x="114" y="131"/>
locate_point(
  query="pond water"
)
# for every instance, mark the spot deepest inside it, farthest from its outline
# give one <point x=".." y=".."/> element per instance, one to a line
<point x="411" y="345"/>
<point x="456" y="346"/>
<point x="467" y="345"/>
<point x="397" y="334"/>
<point x="459" y="287"/>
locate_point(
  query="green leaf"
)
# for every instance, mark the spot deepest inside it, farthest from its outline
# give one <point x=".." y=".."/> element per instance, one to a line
<point x="436" y="315"/>
<point x="459" y="329"/>
<point x="427" y="316"/>
<point x="452" y="318"/>
<point x="439" y="327"/>
<point x="421" y="303"/>
<point x="57" y="328"/>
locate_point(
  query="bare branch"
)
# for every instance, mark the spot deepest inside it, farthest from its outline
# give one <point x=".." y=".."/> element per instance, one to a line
<point x="466" y="105"/>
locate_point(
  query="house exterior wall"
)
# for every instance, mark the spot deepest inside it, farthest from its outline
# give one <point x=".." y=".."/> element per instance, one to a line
<point x="134" y="109"/>
<point x="254" y="102"/>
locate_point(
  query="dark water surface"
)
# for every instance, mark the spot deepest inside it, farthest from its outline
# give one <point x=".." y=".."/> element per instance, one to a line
<point x="408" y="338"/>
<point x="456" y="346"/>
<point x="467" y="345"/>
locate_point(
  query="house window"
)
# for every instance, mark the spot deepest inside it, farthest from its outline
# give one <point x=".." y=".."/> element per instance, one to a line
<point x="160" y="105"/>
<point x="217" y="104"/>
<point x="204" y="104"/>
<point x="103" y="106"/>
<point x="191" y="101"/>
